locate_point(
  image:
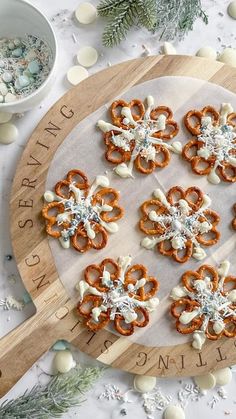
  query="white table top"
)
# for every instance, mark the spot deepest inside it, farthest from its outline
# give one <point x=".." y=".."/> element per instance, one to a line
<point x="219" y="32"/>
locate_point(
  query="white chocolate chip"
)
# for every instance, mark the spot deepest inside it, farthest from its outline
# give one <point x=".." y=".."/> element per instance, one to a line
<point x="168" y="49"/>
<point x="232" y="9"/>
<point x="8" y="133"/>
<point x="228" y="56"/>
<point x="174" y="412"/>
<point x="86" y="13"/>
<point x="206" y="381"/>
<point x="223" y="376"/>
<point x="207" y="52"/>
<point x="87" y="56"/>
<point x="5" y="117"/>
<point x="63" y="361"/>
<point x="144" y="383"/>
<point x="76" y="74"/>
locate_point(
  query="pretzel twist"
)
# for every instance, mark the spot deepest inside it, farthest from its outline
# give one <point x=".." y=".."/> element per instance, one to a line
<point x="93" y="275"/>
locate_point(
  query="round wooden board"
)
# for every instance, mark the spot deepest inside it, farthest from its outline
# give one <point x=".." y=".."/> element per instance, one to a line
<point x="55" y="318"/>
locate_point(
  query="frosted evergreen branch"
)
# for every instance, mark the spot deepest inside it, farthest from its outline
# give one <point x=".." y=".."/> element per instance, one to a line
<point x="119" y="25"/>
<point x="54" y="399"/>
<point x="108" y="7"/>
<point x="147" y="12"/>
<point x="170" y="18"/>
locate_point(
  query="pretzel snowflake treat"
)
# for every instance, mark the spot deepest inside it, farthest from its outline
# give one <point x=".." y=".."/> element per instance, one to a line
<point x="205" y="304"/>
<point x="117" y="292"/>
<point x="234" y="219"/>
<point x="137" y="136"/>
<point x="180" y="223"/>
<point x="80" y="214"/>
<point x="213" y="150"/>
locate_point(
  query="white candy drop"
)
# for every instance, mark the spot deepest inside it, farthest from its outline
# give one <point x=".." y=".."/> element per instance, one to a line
<point x="86" y="13"/>
<point x="177" y="147"/>
<point x="228" y="56"/>
<point x="49" y="196"/>
<point x="178" y="292"/>
<point x="8" y="133"/>
<point x="206" y="381"/>
<point x="76" y="74"/>
<point x="168" y="49"/>
<point x="174" y="412"/>
<point x="5" y="117"/>
<point x="144" y="383"/>
<point x="232" y="9"/>
<point x="223" y="376"/>
<point x="207" y="52"/>
<point x="87" y="56"/>
<point x="63" y="361"/>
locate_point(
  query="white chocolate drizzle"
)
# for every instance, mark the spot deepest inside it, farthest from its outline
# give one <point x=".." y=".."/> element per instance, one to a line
<point x="219" y="142"/>
<point x="139" y="133"/>
<point x="118" y="298"/>
<point x="79" y="211"/>
<point x="180" y="224"/>
<point x="214" y="306"/>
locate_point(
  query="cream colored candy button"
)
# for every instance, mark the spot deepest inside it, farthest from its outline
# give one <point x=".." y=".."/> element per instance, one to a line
<point x="76" y="74"/>
<point x="87" y="56"/>
<point x="228" y="56"/>
<point x="205" y="382"/>
<point x="86" y="13"/>
<point x="223" y="376"/>
<point x="63" y="361"/>
<point x="174" y="412"/>
<point x="10" y="98"/>
<point x="232" y="9"/>
<point x="8" y="133"/>
<point x="207" y="52"/>
<point x="5" y="117"/>
<point x="144" y="383"/>
<point x="168" y="49"/>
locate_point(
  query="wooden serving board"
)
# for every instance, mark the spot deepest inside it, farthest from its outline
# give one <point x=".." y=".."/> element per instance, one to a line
<point x="55" y="318"/>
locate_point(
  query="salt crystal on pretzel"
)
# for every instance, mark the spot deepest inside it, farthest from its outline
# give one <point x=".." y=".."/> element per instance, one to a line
<point x="80" y="214"/>
<point x="117" y="292"/>
<point x="205" y="304"/>
<point x="213" y="150"/>
<point x="139" y="138"/>
<point x="179" y="220"/>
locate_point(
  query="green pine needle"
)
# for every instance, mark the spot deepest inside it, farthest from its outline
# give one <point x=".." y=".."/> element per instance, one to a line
<point x="54" y="399"/>
<point x="171" y="18"/>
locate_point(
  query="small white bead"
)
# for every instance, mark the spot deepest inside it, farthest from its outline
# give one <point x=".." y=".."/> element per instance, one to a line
<point x="8" y="133"/>
<point x="174" y="412"/>
<point x="206" y="381"/>
<point x="63" y="361"/>
<point x="207" y="52"/>
<point x="144" y="383"/>
<point x="10" y="98"/>
<point x="232" y="9"/>
<point x="76" y="74"/>
<point x="5" y="117"/>
<point x="223" y="376"/>
<point x="228" y="56"/>
<point x="86" y="13"/>
<point x="87" y="56"/>
<point x="3" y="89"/>
<point x="7" y="77"/>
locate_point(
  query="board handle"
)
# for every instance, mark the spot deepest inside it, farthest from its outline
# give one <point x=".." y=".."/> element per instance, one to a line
<point x="22" y="347"/>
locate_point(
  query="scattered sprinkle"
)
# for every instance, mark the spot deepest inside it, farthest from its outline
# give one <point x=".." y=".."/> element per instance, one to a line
<point x="10" y="302"/>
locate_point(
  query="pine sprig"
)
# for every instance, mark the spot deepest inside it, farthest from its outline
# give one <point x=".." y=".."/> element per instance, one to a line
<point x="171" y="18"/>
<point x="54" y="399"/>
<point x="108" y="7"/>
<point x="147" y="13"/>
<point x="116" y="31"/>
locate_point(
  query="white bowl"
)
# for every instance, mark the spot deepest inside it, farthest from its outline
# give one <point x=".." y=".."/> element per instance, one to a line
<point x="18" y="18"/>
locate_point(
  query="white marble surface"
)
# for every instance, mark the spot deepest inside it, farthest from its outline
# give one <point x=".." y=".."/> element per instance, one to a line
<point x="219" y="33"/>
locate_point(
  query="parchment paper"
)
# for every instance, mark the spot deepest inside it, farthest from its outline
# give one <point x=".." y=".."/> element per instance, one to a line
<point x="84" y="149"/>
